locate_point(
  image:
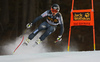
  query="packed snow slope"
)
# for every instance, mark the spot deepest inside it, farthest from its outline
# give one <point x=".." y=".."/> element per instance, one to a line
<point x="85" y="56"/>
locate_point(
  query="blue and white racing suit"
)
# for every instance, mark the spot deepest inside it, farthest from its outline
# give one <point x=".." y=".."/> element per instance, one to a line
<point x="49" y="25"/>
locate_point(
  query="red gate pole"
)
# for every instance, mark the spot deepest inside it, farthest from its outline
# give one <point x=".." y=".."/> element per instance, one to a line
<point x="70" y="30"/>
<point x="92" y="4"/>
<point x="69" y="38"/>
<point x="93" y="25"/>
<point x="91" y="22"/>
<point x="72" y="5"/>
<point x="70" y="26"/>
<point x="94" y="37"/>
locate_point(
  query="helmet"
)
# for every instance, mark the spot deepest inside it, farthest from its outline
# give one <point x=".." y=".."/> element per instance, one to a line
<point x="55" y="8"/>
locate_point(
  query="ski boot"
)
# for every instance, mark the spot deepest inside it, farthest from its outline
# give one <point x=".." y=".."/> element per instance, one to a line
<point x="38" y="41"/>
<point x="26" y="42"/>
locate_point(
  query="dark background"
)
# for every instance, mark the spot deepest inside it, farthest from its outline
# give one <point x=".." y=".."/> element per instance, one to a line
<point x="15" y="14"/>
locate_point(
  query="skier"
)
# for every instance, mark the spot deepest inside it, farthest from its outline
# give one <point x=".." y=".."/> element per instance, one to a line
<point x="53" y="18"/>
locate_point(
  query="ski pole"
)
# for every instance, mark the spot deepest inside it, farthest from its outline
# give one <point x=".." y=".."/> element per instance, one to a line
<point x="20" y="42"/>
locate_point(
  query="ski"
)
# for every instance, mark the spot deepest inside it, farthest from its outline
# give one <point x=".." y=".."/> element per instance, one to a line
<point x="18" y="45"/>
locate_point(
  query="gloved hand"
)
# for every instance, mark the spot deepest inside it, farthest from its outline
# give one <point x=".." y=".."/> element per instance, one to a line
<point x="59" y="38"/>
<point x="29" y="25"/>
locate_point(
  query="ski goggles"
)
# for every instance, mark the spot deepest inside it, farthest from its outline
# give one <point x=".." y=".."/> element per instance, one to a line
<point x="53" y="10"/>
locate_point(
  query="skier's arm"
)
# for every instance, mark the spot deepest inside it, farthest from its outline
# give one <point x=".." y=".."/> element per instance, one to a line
<point x="61" y="26"/>
<point x="40" y="17"/>
<point x="36" y="19"/>
<point x="61" y="29"/>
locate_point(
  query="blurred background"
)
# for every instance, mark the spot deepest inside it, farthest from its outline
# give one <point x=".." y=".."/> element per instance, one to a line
<point x="15" y="14"/>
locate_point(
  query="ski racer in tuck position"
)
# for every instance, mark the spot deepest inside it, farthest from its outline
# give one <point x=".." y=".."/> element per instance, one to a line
<point x="53" y="18"/>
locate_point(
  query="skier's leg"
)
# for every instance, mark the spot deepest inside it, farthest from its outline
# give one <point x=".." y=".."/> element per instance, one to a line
<point x="33" y="34"/>
<point x="50" y="30"/>
<point x="41" y="27"/>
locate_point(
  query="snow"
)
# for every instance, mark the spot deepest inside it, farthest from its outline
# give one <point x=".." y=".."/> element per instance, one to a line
<point x="40" y="53"/>
<point x="10" y="47"/>
<point x="85" y="56"/>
